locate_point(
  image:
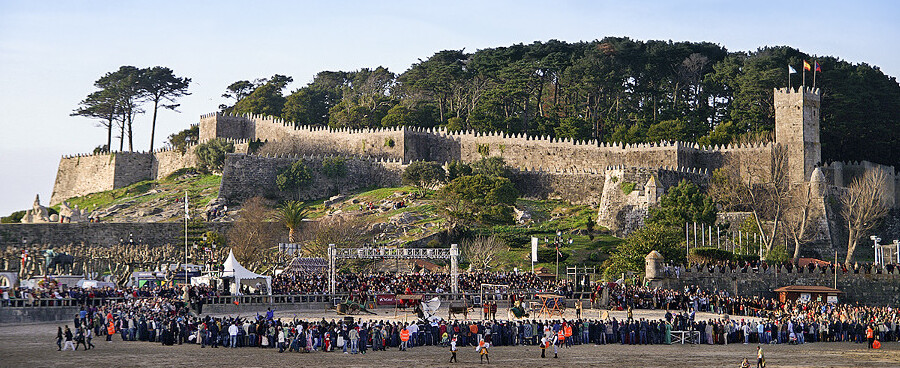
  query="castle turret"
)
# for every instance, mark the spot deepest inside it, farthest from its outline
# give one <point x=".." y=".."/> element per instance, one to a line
<point x="817" y="181"/>
<point x="653" y="269"/>
<point x="797" y="130"/>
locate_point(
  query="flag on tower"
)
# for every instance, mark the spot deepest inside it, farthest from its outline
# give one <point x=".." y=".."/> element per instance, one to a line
<point x="791" y="70"/>
<point x="806" y="65"/>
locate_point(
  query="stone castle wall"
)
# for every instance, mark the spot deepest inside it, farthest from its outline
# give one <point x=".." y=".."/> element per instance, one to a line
<point x="575" y="187"/>
<point x="625" y="212"/>
<point x="132" y="167"/>
<point x="520" y="151"/>
<point x="246" y="176"/>
<point x="102" y="233"/>
<point x="869" y="288"/>
<point x="83" y="174"/>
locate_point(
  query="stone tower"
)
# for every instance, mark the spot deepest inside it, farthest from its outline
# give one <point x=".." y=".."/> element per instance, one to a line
<point x="797" y="130"/>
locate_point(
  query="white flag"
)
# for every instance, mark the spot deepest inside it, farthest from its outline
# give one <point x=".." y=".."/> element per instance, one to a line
<point x="791" y="70"/>
<point x="186" y="213"/>
<point x="534" y="249"/>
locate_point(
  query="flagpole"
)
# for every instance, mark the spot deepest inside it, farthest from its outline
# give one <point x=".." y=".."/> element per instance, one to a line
<point x="185" y="237"/>
<point x="803" y="85"/>
<point x="815" y="66"/>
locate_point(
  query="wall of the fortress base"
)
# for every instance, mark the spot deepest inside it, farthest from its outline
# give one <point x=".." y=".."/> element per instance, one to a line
<point x="102" y="233"/>
<point x="246" y="176"/>
<point x="623" y="213"/>
<point x="168" y="161"/>
<point x="132" y="167"/>
<point x="870" y="289"/>
<point x="576" y="188"/>
<point x="81" y="175"/>
<point x="841" y="174"/>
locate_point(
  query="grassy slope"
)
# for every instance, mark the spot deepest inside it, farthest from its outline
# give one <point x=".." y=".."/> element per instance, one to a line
<point x="548" y="217"/>
<point x="200" y="188"/>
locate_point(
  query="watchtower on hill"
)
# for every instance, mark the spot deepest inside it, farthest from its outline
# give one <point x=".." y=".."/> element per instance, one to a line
<point x="797" y="130"/>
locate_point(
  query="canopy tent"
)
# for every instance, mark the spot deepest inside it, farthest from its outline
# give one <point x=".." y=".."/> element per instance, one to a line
<point x="244" y="277"/>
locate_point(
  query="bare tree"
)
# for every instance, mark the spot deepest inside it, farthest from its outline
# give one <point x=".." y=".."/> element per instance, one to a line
<point x="862" y="205"/>
<point x="482" y="252"/>
<point x="250" y="238"/>
<point x="798" y="216"/>
<point x="341" y="231"/>
<point x="763" y="190"/>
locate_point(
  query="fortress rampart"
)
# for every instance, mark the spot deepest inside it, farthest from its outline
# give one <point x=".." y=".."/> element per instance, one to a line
<point x="248" y="175"/>
<point x="874" y="286"/>
<point x="89" y="173"/>
<point x="581" y="171"/>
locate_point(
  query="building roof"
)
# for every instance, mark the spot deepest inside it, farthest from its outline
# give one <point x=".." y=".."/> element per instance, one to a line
<point x="802" y="262"/>
<point x="807" y="289"/>
<point x="654" y="255"/>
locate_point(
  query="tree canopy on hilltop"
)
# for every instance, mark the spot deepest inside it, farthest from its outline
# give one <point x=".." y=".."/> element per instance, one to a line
<point x="614" y="89"/>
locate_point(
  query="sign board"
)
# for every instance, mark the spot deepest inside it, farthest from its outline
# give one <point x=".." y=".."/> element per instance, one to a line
<point x="386" y="299"/>
<point x="534" y="246"/>
<point x="804" y="298"/>
<point x="832" y="299"/>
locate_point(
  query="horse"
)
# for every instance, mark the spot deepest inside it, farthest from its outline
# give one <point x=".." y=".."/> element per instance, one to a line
<point x="61" y="259"/>
<point x="456" y="309"/>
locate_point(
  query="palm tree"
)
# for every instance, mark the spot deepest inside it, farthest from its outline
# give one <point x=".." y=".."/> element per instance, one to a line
<point x="292" y="214"/>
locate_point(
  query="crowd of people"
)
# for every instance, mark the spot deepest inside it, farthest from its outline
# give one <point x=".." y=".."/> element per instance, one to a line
<point x="387" y="283"/>
<point x="171" y="319"/>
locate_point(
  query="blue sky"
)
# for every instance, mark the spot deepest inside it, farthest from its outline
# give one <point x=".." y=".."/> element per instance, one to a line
<point x="52" y="51"/>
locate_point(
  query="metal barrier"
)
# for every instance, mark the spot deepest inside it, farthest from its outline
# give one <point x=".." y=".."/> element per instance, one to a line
<point x="270" y="299"/>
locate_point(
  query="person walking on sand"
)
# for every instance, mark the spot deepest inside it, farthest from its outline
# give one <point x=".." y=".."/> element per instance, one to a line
<point x="59" y="338"/>
<point x="453" y="350"/>
<point x="68" y="344"/>
<point x="760" y="358"/>
<point x="482" y="350"/>
<point x="543" y="345"/>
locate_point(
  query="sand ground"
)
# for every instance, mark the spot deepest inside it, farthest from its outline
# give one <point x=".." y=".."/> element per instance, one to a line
<point x="34" y="346"/>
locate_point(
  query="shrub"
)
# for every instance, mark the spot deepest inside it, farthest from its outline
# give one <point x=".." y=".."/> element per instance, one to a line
<point x="389" y="142"/>
<point x="334" y="167"/>
<point x="211" y="155"/>
<point x="626" y="187"/>
<point x="13" y="218"/>
<point x="294" y="177"/>
<point x="709" y="255"/>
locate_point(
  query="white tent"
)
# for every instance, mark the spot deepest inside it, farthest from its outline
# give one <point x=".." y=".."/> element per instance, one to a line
<point x="243" y="276"/>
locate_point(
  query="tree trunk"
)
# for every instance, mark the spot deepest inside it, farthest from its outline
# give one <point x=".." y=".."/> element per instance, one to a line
<point x="851" y="245"/>
<point x="153" y="124"/>
<point x="122" y="137"/>
<point x="130" y="135"/>
<point x="109" y="135"/>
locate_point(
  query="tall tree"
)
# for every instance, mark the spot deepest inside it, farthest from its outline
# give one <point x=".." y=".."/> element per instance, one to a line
<point x="862" y="205"/>
<point x="124" y="85"/>
<point x="292" y="214"/>
<point x="100" y="105"/>
<point x="161" y="85"/>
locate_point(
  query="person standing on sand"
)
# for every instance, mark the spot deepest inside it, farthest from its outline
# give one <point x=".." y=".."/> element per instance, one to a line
<point x="59" y="338"/>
